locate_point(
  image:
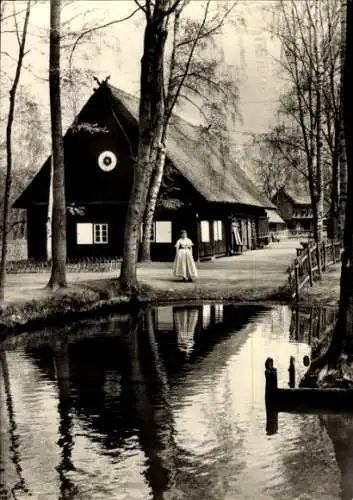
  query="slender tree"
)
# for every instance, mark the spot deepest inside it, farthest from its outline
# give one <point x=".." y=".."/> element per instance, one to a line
<point x="309" y="33"/>
<point x="58" y="269"/>
<point x="151" y="113"/>
<point x="21" y="38"/>
<point x="342" y="149"/>
<point x="342" y="338"/>
<point x="193" y="75"/>
<point x="344" y="328"/>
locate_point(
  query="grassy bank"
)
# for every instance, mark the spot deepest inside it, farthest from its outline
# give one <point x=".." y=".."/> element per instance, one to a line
<point x="100" y="296"/>
<point x="325" y="292"/>
<point x="64" y="306"/>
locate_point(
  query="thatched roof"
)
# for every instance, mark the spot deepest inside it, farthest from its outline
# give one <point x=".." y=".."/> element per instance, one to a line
<point x="297" y="197"/>
<point x="200" y="163"/>
<point x="188" y="148"/>
<point x="274" y="217"/>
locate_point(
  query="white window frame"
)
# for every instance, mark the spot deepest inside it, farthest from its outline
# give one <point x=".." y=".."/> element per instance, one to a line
<point x="154" y="238"/>
<point x="103" y="236"/>
<point x="217" y="230"/>
<point x="168" y="226"/>
<point x="203" y="225"/>
<point x="84" y="233"/>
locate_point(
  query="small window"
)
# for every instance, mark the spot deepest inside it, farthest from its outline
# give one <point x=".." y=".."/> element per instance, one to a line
<point x="163" y="231"/>
<point x="100" y="233"/>
<point x="84" y="233"/>
<point x="205" y="231"/>
<point x="217" y="230"/>
<point x="141" y="232"/>
<point x="88" y="233"/>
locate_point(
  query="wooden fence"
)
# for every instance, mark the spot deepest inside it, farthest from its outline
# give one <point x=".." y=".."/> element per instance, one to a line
<point x="311" y="261"/>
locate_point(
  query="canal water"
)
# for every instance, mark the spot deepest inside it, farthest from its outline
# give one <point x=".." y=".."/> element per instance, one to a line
<point x="166" y="404"/>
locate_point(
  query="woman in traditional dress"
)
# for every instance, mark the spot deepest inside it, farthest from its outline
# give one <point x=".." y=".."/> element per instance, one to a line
<point x="184" y="264"/>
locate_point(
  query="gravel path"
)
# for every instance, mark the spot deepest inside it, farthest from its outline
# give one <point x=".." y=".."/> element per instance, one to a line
<point x="263" y="269"/>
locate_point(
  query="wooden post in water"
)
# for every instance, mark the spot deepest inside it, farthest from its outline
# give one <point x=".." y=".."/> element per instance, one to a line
<point x="270" y="397"/>
<point x="271" y="421"/>
<point x="291" y="371"/>
<point x="271" y="381"/>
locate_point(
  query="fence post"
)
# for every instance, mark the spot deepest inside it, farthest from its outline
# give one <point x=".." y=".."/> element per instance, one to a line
<point x="333" y="252"/>
<point x="324" y="256"/>
<point x="297" y="278"/>
<point x="317" y="252"/>
<point x="310" y="266"/>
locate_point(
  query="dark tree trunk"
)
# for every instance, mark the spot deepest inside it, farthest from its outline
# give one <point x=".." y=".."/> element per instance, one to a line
<point x="8" y="179"/>
<point x="172" y="94"/>
<point x="335" y="187"/>
<point x="58" y="270"/>
<point x="342" y="338"/>
<point x="342" y="149"/>
<point x="151" y="114"/>
<point x="345" y="318"/>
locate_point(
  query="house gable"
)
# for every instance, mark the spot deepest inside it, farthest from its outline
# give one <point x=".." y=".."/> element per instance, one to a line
<point x="203" y="174"/>
<point x="98" y="163"/>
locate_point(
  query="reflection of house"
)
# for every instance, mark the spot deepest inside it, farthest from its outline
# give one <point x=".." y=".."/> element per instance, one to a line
<point x="295" y="210"/>
<point x="277" y="226"/>
<point x="201" y="191"/>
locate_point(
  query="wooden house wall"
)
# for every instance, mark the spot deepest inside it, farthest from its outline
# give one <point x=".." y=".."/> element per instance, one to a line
<point x="111" y="214"/>
<point x="284" y="206"/>
<point x="104" y="195"/>
<point x="36" y="232"/>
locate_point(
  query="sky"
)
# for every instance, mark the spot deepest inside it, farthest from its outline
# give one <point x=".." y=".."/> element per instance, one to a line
<point x="116" y="51"/>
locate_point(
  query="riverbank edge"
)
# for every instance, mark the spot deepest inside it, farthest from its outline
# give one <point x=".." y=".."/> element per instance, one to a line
<point x="97" y="297"/>
<point x="103" y="296"/>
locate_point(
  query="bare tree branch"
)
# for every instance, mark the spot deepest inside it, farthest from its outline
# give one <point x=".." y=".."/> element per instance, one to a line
<point x="146" y="9"/>
<point x="191" y="54"/>
<point x="96" y="28"/>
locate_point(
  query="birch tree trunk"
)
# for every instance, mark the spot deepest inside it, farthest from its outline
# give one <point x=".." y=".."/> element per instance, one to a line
<point x="151" y="203"/>
<point x="151" y="113"/>
<point x="175" y="84"/>
<point x="58" y="269"/>
<point x="161" y="154"/>
<point x="8" y="179"/>
<point x="317" y="130"/>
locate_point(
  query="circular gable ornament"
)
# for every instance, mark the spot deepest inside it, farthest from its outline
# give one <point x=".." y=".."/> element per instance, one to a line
<point x="107" y="161"/>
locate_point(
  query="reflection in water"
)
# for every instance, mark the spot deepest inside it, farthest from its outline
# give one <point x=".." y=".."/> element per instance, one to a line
<point x="185" y="321"/>
<point x="169" y="403"/>
<point x="14" y="447"/>
<point x="310" y="324"/>
<point x="340" y="430"/>
<point x="150" y="403"/>
<point x="65" y="441"/>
